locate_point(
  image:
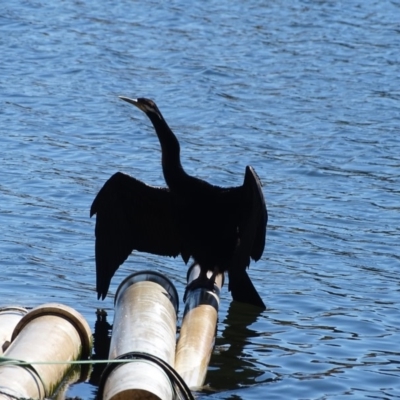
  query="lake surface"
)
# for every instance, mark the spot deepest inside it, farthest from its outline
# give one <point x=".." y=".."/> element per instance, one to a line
<point x="305" y="91"/>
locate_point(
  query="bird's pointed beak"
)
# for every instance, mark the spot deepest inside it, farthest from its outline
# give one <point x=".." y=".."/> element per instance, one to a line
<point x="131" y="101"/>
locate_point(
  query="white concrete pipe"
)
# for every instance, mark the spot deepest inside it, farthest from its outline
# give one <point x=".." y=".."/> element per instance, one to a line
<point x="52" y="333"/>
<point x="9" y="318"/>
<point x="197" y="335"/>
<point x="146" y="307"/>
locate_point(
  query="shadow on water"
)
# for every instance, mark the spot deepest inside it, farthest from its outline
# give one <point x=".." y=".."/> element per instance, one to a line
<point x="101" y="345"/>
<point x="232" y="365"/>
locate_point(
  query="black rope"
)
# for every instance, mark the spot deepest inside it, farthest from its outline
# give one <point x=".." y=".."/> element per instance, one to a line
<point x="11" y="396"/>
<point x="181" y="390"/>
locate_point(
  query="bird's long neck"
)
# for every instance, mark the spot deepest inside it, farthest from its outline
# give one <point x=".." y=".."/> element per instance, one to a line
<point x="174" y="174"/>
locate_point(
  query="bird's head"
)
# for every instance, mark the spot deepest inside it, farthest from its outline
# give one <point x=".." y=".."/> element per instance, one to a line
<point x="146" y="105"/>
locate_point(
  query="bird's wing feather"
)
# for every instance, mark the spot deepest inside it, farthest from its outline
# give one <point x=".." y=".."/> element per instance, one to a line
<point x="130" y="215"/>
<point x="252" y="230"/>
<point x="259" y="214"/>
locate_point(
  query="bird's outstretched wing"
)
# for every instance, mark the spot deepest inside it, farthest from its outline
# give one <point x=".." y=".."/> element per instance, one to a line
<point x="130" y="215"/>
<point x="252" y="231"/>
<point x="258" y="216"/>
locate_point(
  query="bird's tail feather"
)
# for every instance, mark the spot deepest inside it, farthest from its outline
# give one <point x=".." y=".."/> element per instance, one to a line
<point x="242" y="288"/>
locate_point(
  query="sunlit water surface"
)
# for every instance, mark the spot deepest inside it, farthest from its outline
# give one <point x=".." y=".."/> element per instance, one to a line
<point x="305" y="91"/>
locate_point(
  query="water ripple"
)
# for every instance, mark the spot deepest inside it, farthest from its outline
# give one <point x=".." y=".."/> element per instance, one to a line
<point x="307" y="92"/>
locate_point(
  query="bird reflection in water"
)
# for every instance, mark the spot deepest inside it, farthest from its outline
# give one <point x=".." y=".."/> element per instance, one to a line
<point x="231" y="367"/>
<point x="101" y="345"/>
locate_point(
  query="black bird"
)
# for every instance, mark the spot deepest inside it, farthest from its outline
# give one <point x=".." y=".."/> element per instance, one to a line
<point x="220" y="228"/>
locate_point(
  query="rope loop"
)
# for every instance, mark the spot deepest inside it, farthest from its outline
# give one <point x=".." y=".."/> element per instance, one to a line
<point x="181" y="390"/>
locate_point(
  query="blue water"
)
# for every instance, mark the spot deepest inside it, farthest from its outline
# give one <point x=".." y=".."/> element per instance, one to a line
<point x="305" y="91"/>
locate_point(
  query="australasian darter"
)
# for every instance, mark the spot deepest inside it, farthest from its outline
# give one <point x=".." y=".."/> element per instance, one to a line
<point x="220" y="228"/>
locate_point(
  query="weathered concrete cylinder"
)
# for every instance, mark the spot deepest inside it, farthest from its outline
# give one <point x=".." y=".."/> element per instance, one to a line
<point x="146" y="306"/>
<point x="9" y="318"/>
<point x="48" y="333"/>
<point x="197" y="335"/>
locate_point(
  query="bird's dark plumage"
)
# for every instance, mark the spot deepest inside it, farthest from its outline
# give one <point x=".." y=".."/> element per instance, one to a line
<point x="220" y="228"/>
<point x="130" y="216"/>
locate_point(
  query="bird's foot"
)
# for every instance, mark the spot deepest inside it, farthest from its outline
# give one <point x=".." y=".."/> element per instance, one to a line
<point x="200" y="283"/>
